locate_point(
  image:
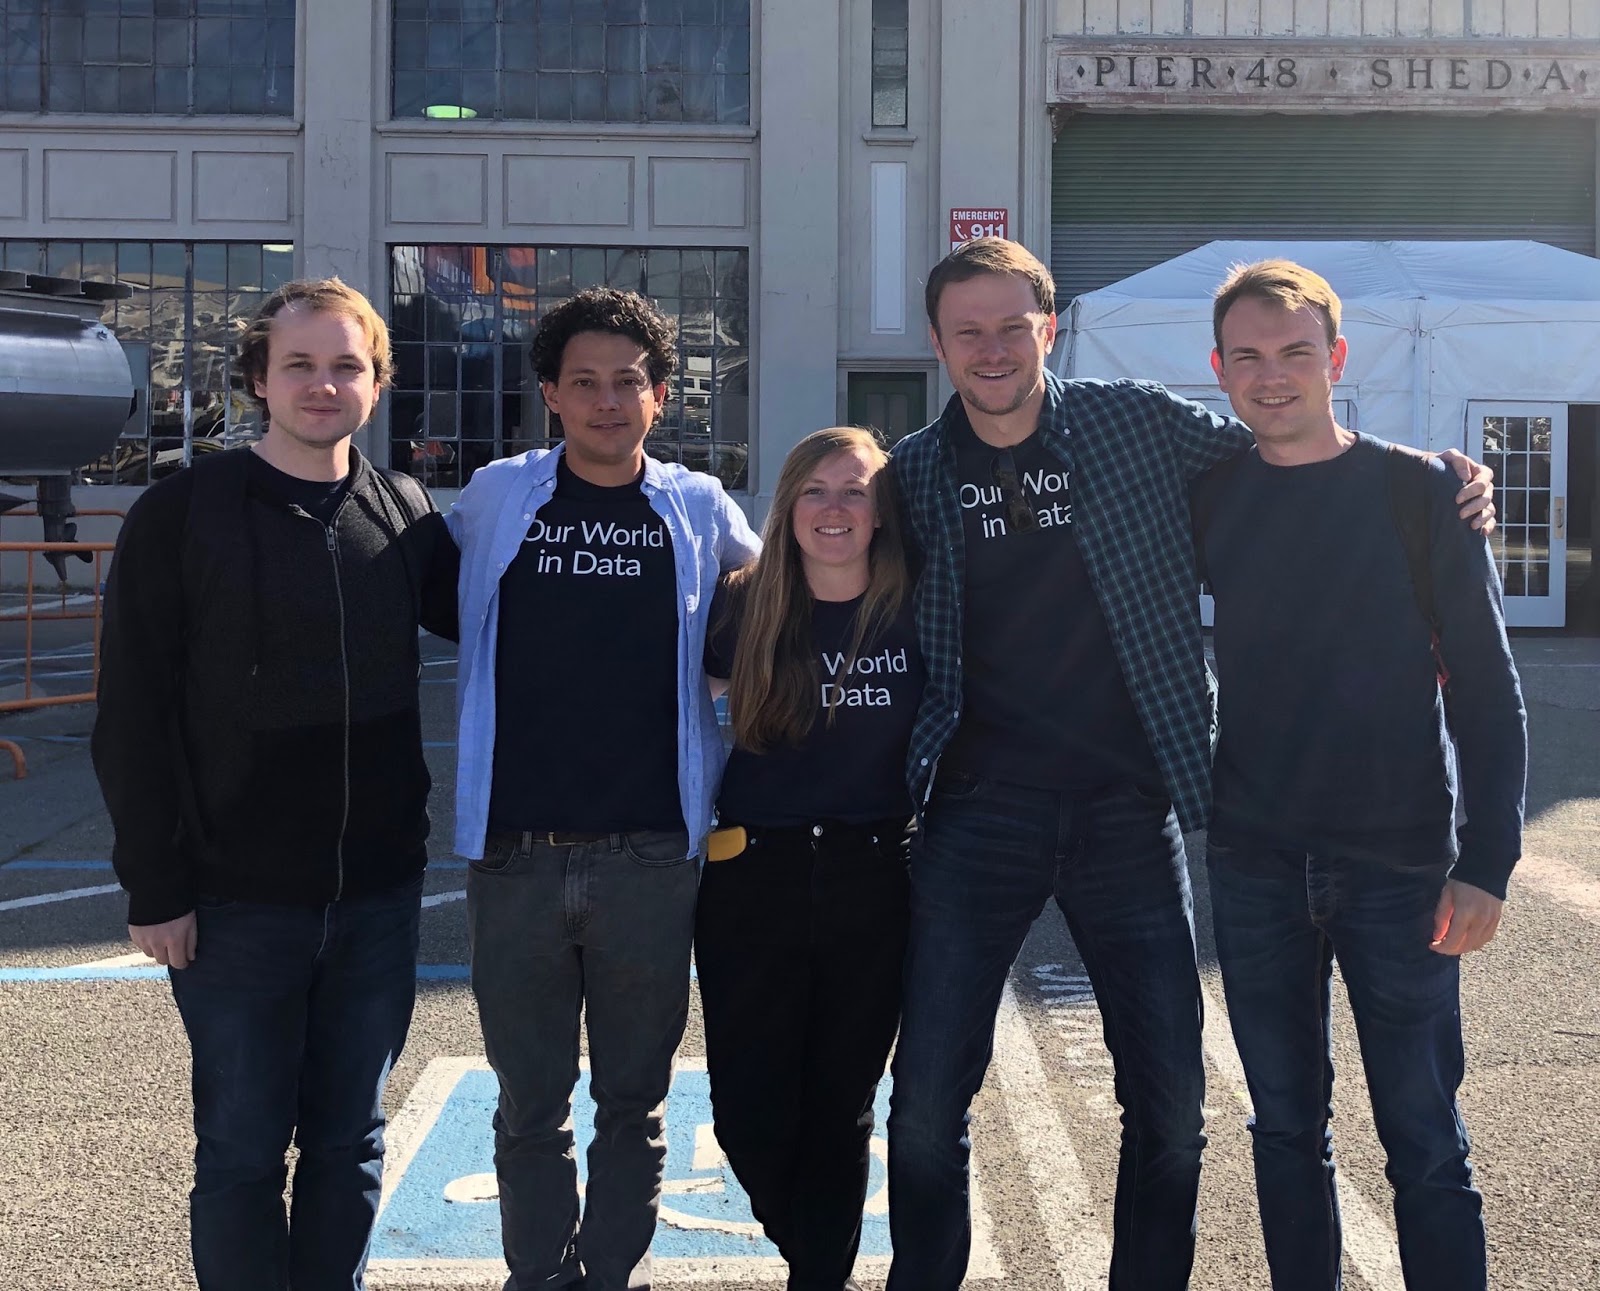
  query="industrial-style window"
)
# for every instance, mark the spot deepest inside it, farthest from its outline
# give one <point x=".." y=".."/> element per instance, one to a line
<point x="461" y="318"/>
<point x="891" y="63"/>
<point x="573" y="60"/>
<point x="179" y="328"/>
<point x="180" y="57"/>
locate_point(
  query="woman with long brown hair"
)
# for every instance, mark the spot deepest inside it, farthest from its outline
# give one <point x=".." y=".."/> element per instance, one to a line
<point x="801" y="926"/>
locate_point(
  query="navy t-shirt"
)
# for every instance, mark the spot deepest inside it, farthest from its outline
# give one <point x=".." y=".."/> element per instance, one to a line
<point x="586" y="668"/>
<point x="851" y="769"/>
<point x="1045" y="702"/>
<point x="1333" y="732"/>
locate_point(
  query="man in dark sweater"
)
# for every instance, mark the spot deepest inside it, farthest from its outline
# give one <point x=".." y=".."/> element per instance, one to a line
<point x="259" y="747"/>
<point x="1333" y="833"/>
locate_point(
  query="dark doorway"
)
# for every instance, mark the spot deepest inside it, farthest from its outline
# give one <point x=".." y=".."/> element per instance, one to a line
<point x="892" y="403"/>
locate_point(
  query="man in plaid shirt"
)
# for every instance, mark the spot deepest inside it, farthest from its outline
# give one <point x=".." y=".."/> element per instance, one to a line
<point x="1061" y="749"/>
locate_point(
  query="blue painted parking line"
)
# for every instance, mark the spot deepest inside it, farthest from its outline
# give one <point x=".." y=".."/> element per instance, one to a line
<point x="27" y="863"/>
<point x="146" y="972"/>
<point x="439" y="1218"/>
<point x="55" y="865"/>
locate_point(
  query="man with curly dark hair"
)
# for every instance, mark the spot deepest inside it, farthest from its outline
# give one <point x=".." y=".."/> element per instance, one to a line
<point x="605" y="309"/>
<point x="587" y="760"/>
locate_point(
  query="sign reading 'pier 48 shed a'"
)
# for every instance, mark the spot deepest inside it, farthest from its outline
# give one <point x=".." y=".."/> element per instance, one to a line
<point x="1359" y="75"/>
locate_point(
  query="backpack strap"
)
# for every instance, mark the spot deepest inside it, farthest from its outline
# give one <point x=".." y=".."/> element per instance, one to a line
<point x="217" y="543"/>
<point x="1204" y="496"/>
<point x="1409" y="503"/>
<point x="406" y="492"/>
<point x="1411" y="507"/>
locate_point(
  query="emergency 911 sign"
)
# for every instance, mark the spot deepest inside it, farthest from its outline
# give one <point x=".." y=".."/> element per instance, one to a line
<point x="967" y="223"/>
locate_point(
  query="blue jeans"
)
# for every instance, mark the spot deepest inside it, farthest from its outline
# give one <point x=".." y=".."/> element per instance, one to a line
<point x="295" y="1016"/>
<point x="988" y="857"/>
<point x="602" y="930"/>
<point x="1281" y="919"/>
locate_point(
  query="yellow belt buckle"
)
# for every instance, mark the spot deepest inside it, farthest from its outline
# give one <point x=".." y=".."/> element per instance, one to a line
<point x="725" y="844"/>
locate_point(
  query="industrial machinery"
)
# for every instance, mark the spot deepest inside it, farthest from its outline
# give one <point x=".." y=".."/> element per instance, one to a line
<point x="65" y="391"/>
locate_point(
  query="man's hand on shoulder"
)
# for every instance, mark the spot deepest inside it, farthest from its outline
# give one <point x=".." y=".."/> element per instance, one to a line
<point x="171" y="943"/>
<point x="1465" y="919"/>
<point x="1477" y="498"/>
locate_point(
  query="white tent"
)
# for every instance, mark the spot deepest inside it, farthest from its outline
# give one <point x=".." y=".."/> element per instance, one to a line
<point x="1432" y="326"/>
<point x="1473" y="345"/>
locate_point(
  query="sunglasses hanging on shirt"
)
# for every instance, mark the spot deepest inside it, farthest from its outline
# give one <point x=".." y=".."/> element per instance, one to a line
<point x="1020" y="517"/>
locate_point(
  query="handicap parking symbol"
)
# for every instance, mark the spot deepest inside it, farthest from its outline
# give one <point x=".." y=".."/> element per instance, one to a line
<point x="440" y="1209"/>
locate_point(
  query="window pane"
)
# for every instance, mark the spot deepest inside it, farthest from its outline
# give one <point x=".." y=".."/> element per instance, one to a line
<point x="136" y="42"/>
<point x="100" y="42"/>
<point x="662" y="60"/>
<point x="555" y="96"/>
<point x="136" y="91"/>
<point x="172" y="90"/>
<point x="890" y="64"/>
<point x="481" y="401"/>
<point x="64" y="89"/>
<point x="172" y="42"/>
<point x="519" y="45"/>
<point x="623" y="101"/>
<point x="478" y="45"/>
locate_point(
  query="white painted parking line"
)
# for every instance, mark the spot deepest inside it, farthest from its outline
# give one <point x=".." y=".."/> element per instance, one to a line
<point x="1369" y="1238"/>
<point x="1069" y="1218"/>
<point x="443" y="898"/>
<point x="1562" y="882"/>
<point x="136" y="959"/>
<point x="50" y="898"/>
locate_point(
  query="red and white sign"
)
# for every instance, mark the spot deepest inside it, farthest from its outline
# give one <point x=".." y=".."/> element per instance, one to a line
<point x="968" y="222"/>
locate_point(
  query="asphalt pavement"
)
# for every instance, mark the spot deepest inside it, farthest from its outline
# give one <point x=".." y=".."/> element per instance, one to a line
<point x="94" y="1098"/>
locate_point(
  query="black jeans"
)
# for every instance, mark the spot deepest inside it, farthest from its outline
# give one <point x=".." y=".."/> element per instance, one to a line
<point x="799" y="943"/>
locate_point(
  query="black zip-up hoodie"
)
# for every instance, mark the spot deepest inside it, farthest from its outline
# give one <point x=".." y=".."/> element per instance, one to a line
<point x="259" y="736"/>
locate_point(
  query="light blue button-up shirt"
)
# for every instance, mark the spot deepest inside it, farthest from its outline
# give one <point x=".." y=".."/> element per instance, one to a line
<point x="709" y="534"/>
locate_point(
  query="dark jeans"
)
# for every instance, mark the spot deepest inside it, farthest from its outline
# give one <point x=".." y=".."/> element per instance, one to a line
<point x="1281" y="918"/>
<point x="799" y="944"/>
<point x="295" y="1016"/>
<point x="989" y="856"/>
<point x="601" y="929"/>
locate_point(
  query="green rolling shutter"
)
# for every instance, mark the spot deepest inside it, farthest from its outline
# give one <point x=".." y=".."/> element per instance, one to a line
<point x="1133" y="190"/>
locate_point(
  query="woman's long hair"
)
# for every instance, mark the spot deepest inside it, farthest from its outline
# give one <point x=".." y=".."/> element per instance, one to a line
<point x="774" y="694"/>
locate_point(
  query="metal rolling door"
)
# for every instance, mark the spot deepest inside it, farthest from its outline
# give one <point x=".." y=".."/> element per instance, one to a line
<point x="1133" y="190"/>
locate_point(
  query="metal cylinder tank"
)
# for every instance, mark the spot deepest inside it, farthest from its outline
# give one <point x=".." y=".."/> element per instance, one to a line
<point x="65" y="388"/>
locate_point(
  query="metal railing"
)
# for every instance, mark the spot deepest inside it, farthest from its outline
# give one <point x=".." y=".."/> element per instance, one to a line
<point x="42" y="607"/>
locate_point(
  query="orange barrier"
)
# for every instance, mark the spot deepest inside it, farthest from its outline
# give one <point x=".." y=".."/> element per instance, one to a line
<point x="32" y="615"/>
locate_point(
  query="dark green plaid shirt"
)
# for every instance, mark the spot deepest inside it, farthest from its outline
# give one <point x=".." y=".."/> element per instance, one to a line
<point x="1132" y="448"/>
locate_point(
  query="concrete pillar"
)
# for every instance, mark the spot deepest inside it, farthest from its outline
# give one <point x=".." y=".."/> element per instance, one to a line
<point x="797" y="230"/>
<point x="340" y="66"/>
<point x="980" y="121"/>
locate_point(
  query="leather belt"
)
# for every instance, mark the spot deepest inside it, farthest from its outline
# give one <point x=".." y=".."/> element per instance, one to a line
<point x="549" y="837"/>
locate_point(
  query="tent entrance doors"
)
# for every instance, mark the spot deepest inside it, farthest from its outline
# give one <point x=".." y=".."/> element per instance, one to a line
<point x="1526" y="445"/>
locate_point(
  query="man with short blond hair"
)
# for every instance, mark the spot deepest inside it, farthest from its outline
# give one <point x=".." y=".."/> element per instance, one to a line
<point x="259" y="747"/>
<point x="1344" y="591"/>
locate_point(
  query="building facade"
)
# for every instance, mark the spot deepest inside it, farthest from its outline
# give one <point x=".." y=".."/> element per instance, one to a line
<point x="777" y="174"/>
